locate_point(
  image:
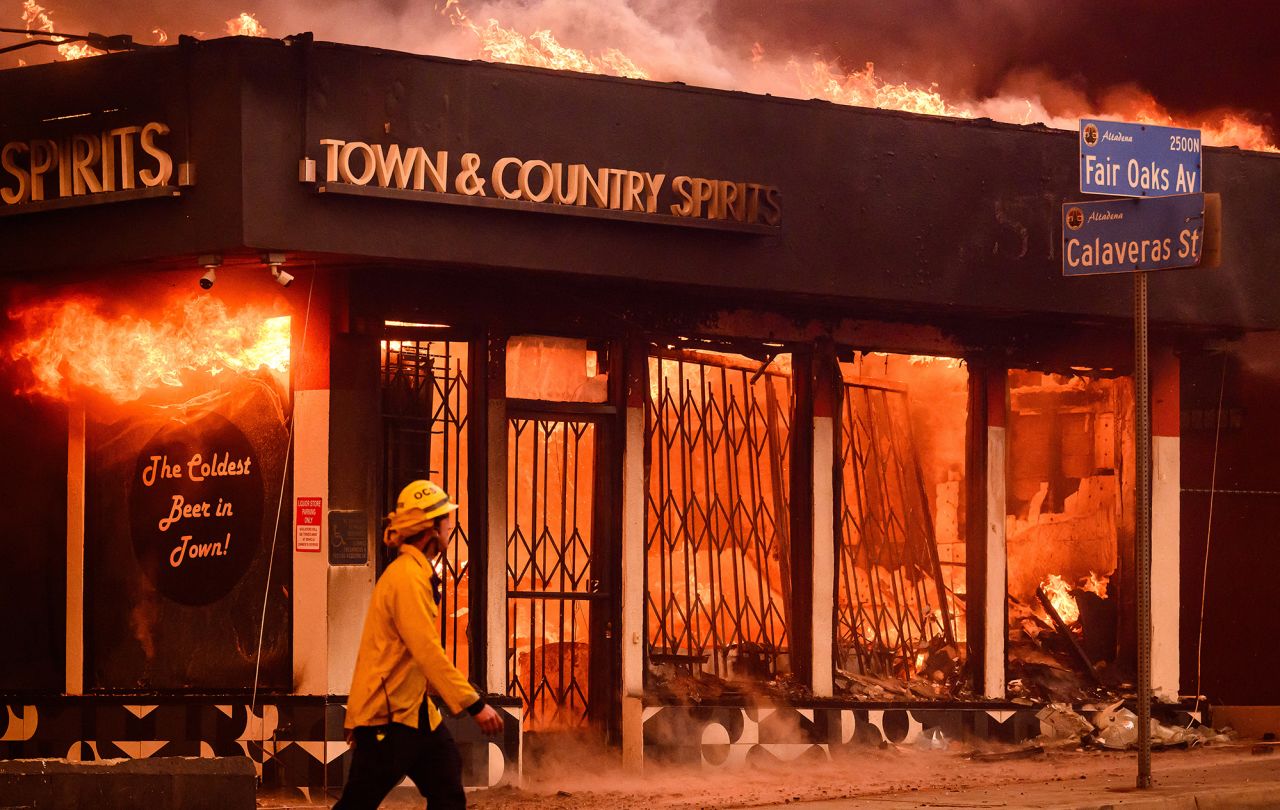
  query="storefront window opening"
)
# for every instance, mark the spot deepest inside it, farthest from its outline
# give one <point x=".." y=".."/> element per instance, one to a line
<point x="900" y="627"/>
<point x="426" y="405"/>
<point x="1069" y="529"/>
<point x="718" y="522"/>
<point x="556" y="369"/>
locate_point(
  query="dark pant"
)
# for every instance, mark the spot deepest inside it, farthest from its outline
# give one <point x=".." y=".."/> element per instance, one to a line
<point x="429" y="758"/>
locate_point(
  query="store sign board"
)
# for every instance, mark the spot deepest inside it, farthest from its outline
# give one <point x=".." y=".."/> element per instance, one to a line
<point x="86" y="168"/>
<point x="534" y="184"/>
<point x="1122" y="236"/>
<point x="1138" y="160"/>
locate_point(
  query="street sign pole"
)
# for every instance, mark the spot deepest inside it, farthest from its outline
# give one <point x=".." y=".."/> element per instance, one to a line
<point x="1180" y="229"/>
<point x="1142" y="403"/>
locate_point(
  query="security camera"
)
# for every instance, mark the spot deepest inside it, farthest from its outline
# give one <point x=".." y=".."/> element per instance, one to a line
<point x="210" y="276"/>
<point x="282" y="278"/>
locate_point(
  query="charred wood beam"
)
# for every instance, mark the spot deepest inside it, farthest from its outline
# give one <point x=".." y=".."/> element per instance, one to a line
<point x="1065" y="632"/>
<point x="715" y="359"/>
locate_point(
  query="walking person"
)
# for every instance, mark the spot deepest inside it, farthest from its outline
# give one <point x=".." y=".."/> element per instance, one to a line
<point x="395" y="730"/>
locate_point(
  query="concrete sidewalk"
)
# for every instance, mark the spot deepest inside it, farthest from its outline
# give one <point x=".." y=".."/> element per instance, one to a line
<point x="1190" y="784"/>
<point x="1220" y="776"/>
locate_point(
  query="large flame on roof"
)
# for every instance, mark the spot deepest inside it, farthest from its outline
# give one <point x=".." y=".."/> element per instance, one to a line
<point x="72" y="344"/>
<point x="245" y="24"/>
<point x="810" y="78"/>
<point x="863" y="88"/>
<point x="36" y="18"/>
<point x="540" y="49"/>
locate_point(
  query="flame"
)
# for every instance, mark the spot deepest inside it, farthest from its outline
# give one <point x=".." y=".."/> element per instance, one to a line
<point x="160" y="35"/>
<point x="246" y="25"/>
<point x="863" y="88"/>
<point x="539" y="49"/>
<point x="1059" y="593"/>
<point x="36" y="17"/>
<point x="71" y="343"/>
<point x="1095" y="584"/>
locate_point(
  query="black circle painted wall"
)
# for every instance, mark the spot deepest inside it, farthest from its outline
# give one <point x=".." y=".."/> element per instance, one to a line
<point x="195" y="508"/>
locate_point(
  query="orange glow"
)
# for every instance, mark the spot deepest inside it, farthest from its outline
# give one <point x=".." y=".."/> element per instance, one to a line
<point x="245" y="25"/>
<point x="36" y="18"/>
<point x="1059" y="593"/>
<point x="540" y="49"/>
<point x="160" y="35"/>
<point x="1095" y="584"/>
<point x="863" y="88"/>
<point x="71" y="344"/>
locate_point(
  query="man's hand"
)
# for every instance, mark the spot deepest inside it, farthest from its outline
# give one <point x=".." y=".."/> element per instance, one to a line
<point x="489" y="720"/>
<point x="349" y="736"/>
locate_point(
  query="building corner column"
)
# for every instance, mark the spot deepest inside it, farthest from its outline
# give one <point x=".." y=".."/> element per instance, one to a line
<point x="995" y="579"/>
<point x="633" y="557"/>
<point x="825" y="381"/>
<point x="495" y="639"/>
<point x="75" y="550"/>
<point x="1166" y="517"/>
<point x="311" y="399"/>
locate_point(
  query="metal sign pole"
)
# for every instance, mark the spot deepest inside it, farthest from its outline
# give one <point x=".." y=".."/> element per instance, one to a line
<point x="1142" y="403"/>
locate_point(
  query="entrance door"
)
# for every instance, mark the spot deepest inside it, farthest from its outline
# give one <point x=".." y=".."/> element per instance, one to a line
<point x="559" y="611"/>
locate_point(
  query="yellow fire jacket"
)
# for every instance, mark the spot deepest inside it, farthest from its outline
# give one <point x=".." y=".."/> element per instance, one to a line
<point x="400" y="652"/>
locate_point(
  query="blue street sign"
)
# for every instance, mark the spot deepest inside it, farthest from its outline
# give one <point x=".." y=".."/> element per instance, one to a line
<point x="1138" y="160"/>
<point x="1121" y="236"/>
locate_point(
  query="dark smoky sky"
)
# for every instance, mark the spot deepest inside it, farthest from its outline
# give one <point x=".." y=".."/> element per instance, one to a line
<point x="1191" y="55"/>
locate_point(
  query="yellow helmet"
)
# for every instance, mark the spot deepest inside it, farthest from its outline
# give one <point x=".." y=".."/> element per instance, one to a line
<point x="427" y="496"/>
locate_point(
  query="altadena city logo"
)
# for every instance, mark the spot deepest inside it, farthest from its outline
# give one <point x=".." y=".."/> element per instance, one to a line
<point x="1075" y="219"/>
<point x="1090" y="135"/>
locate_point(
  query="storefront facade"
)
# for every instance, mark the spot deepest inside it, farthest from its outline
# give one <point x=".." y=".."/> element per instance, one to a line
<point x="747" y="402"/>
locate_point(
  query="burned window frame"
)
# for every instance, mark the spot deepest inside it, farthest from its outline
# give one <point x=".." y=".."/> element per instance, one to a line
<point x="950" y="657"/>
<point x="474" y="532"/>
<point x="763" y="656"/>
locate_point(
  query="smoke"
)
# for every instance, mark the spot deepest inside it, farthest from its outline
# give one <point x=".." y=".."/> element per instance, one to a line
<point x="569" y="774"/>
<point x="1023" y="61"/>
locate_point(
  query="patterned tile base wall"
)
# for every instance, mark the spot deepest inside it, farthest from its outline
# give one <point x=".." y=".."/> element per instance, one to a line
<point x="728" y="736"/>
<point x="294" y="742"/>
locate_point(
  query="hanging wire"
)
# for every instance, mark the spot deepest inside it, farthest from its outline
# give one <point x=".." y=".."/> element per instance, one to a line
<point x="284" y="478"/>
<point x="1208" y="532"/>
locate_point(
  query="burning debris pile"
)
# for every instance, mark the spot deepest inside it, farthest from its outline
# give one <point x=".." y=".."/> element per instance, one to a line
<point x="1063" y="646"/>
<point x="1071" y="453"/>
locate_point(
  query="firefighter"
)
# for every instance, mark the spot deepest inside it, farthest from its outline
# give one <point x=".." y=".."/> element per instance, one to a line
<point x="395" y="730"/>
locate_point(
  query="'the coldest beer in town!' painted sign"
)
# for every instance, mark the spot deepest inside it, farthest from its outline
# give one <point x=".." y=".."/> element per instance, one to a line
<point x="1137" y="160"/>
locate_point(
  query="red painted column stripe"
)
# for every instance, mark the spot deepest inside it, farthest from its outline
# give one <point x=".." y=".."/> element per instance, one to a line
<point x="1165" y="393"/>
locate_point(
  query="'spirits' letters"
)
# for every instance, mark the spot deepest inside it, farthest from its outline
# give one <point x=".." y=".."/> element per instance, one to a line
<point x="39" y="169"/>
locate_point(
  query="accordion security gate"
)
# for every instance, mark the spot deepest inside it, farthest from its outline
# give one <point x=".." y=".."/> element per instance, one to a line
<point x="717" y="532"/>
<point x="425" y="417"/>
<point x="550" y="556"/>
<point x="892" y="601"/>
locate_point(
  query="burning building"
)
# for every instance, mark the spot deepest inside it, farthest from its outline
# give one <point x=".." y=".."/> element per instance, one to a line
<point x="774" y="424"/>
